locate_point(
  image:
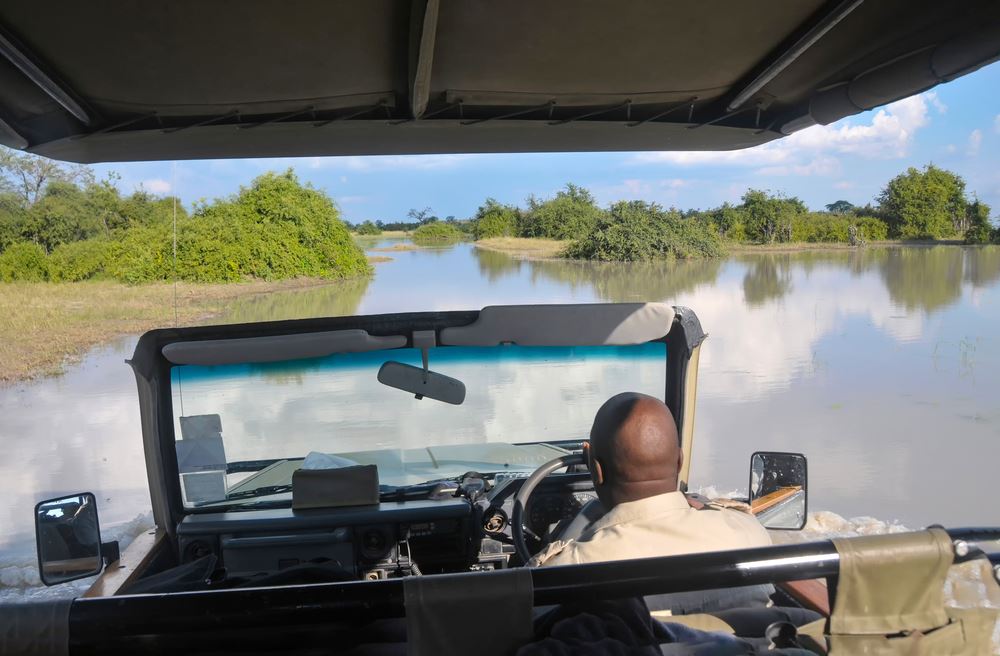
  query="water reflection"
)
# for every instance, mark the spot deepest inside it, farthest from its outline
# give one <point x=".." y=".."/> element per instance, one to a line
<point x="329" y="300"/>
<point x="608" y="281"/>
<point x="768" y="277"/>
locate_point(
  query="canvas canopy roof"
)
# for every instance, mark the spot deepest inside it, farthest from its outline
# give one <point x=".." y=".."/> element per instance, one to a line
<point x="117" y="80"/>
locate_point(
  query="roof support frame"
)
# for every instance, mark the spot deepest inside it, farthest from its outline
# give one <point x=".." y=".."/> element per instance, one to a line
<point x="59" y="93"/>
<point x="422" y="58"/>
<point x="11" y="137"/>
<point x="788" y="56"/>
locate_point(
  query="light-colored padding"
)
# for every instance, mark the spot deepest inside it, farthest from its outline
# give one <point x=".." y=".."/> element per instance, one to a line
<point x="277" y="348"/>
<point x="564" y="325"/>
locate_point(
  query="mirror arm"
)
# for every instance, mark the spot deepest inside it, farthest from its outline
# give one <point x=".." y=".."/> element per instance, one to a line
<point x="110" y="552"/>
<point x="424" y="340"/>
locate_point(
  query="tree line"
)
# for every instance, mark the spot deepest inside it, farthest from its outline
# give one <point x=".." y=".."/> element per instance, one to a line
<point x="59" y="223"/>
<point x="926" y="204"/>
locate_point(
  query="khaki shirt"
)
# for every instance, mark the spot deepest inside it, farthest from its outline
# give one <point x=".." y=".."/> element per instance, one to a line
<point x="662" y="525"/>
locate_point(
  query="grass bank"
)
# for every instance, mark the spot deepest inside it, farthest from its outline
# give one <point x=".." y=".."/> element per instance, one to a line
<point x="543" y="249"/>
<point x="795" y="247"/>
<point x="525" y="247"/>
<point x="45" y="326"/>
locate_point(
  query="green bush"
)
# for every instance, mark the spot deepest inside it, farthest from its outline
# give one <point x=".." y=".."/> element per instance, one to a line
<point x="436" y="233"/>
<point x="571" y="214"/>
<point x="494" y="219"/>
<point x="274" y="229"/>
<point x="980" y="230"/>
<point x="769" y="218"/>
<point x="143" y="254"/>
<point x="368" y="228"/>
<point x="924" y="204"/>
<point x="639" y="231"/>
<point x="79" y="260"/>
<point x="24" y="262"/>
<point x="818" y="227"/>
<point x="871" y="228"/>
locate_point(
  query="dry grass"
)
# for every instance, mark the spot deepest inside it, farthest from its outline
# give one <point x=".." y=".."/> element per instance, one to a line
<point x="395" y="248"/>
<point x="524" y="247"/>
<point x="378" y="259"/>
<point x="795" y="247"/>
<point x="45" y="326"/>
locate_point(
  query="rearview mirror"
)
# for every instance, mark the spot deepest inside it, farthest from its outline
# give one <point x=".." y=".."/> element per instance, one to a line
<point x="778" y="489"/>
<point x="422" y="383"/>
<point x="68" y="537"/>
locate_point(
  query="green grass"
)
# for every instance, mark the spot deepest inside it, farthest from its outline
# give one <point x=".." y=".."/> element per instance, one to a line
<point x="46" y="325"/>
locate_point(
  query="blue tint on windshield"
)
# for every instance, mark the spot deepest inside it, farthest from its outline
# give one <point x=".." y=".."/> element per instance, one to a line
<point x="486" y="355"/>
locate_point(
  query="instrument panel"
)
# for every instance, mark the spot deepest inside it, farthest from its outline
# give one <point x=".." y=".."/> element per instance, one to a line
<point x="548" y="509"/>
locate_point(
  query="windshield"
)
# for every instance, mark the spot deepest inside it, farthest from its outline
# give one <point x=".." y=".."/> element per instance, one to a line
<point x="268" y="417"/>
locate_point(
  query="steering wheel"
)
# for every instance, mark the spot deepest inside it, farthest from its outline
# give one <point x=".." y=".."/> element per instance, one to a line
<point x="529" y="485"/>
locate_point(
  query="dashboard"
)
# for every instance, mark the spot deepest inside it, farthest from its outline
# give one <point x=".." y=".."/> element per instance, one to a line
<point x="391" y="539"/>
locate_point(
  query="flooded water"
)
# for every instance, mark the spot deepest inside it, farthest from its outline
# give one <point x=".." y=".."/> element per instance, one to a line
<point x="881" y="365"/>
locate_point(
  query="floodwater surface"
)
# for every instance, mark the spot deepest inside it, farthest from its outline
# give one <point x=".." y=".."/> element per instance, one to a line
<point x="881" y="365"/>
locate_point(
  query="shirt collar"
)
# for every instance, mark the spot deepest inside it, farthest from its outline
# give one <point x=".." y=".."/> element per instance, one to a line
<point x="640" y="509"/>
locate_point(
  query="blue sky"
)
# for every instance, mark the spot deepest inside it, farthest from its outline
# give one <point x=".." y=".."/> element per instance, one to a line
<point x="955" y="125"/>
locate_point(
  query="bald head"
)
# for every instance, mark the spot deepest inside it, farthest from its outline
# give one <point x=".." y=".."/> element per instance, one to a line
<point x="633" y="452"/>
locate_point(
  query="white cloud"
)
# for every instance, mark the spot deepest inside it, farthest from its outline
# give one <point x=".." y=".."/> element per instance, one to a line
<point x="996" y="124"/>
<point x="395" y="162"/>
<point x="933" y="99"/>
<point x="826" y="166"/>
<point x="343" y="179"/>
<point x="359" y="163"/>
<point x="975" y="141"/>
<point x="888" y="135"/>
<point x="156" y="185"/>
<point x="950" y="148"/>
<point x="663" y="191"/>
<point x="843" y="184"/>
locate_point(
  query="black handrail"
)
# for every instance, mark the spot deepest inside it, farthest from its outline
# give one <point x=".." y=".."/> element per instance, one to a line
<point x="138" y="619"/>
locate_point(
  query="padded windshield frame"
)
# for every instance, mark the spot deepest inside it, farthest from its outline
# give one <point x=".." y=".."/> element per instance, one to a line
<point x="153" y="379"/>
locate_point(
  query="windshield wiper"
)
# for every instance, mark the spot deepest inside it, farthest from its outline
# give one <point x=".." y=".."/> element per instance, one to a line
<point x="386" y="493"/>
<point x="258" y="492"/>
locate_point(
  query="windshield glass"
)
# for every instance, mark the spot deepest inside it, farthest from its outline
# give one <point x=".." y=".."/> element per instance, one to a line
<point x="284" y="411"/>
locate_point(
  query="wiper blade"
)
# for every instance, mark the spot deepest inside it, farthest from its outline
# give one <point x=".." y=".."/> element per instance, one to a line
<point x="386" y="493"/>
<point x="258" y="492"/>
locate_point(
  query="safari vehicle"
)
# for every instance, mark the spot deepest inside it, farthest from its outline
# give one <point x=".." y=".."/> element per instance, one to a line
<point x="406" y="527"/>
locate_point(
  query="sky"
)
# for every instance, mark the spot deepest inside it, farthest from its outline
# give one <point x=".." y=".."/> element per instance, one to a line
<point x="955" y="126"/>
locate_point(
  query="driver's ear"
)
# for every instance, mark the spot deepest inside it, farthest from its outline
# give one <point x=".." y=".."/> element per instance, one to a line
<point x="593" y="464"/>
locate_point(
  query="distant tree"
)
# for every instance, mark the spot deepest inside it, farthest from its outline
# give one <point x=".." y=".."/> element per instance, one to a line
<point x="423" y="216"/>
<point x="494" y="219"/>
<point x="28" y="175"/>
<point x="840" y="207"/>
<point x="728" y="221"/>
<point x="980" y="230"/>
<point x="571" y="214"/>
<point x="768" y="218"/>
<point x="368" y="228"/>
<point x="925" y="204"/>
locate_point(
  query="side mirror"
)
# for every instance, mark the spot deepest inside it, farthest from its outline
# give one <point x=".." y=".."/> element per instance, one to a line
<point x="68" y="537"/>
<point x="778" y="489"/>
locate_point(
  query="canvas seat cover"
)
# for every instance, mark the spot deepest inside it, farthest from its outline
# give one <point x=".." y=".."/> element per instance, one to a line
<point x="890" y="600"/>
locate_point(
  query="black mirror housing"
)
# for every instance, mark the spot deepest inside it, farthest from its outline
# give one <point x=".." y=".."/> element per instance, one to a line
<point x="68" y="538"/>
<point x="779" y="490"/>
